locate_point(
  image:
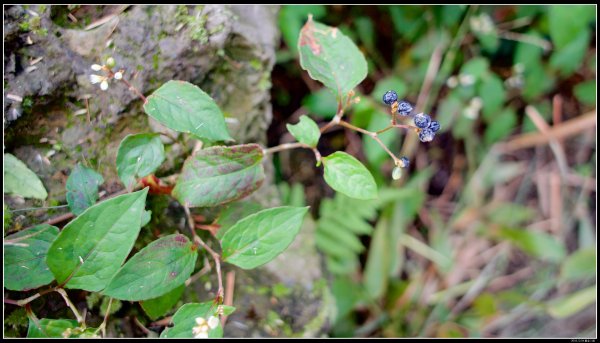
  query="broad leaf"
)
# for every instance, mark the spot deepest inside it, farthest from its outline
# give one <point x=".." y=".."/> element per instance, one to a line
<point x="138" y="156"/>
<point x="260" y="237"/>
<point x="157" y="307"/>
<point x="331" y="58"/>
<point x="538" y="244"/>
<point x="82" y="188"/>
<point x="230" y="215"/>
<point x="51" y="328"/>
<point x="573" y="303"/>
<point x="25" y="258"/>
<point x="184" y="320"/>
<point x="20" y="180"/>
<point x="220" y="174"/>
<point x="160" y="267"/>
<point x="306" y="131"/>
<point x="580" y="265"/>
<point x="183" y="107"/>
<point x="91" y="248"/>
<point x="567" y="22"/>
<point x="347" y="175"/>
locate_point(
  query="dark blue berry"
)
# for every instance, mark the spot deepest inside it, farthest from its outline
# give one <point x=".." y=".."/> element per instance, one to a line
<point x="389" y="97"/>
<point x="434" y="126"/>
<point x="404" y="108"/>
<point x="405" y="162"/>
<point x="422" y="120"/>
<point x="426" y="135"/>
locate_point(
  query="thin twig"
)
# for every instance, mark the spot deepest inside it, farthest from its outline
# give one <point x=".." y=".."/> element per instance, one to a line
<point x="230" y="287"/>
<point x="215" y="256"/>
<point x="70" y="304"/>
<point x="102" y="327"/>
<point x="135" y="90"/>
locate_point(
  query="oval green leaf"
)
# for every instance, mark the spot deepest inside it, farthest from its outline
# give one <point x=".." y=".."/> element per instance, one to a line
<point x="25" y="258"/>
<point x="91" y="248"/>
<point x="183" y="107"/>
<point x="20" y="180"/>
<point x="220" y="174"/>
<point x="138" y="156"/>
<point x="347" y="175"/>
<point x="82" y="188"/>
<point x="157" y="307"/>
<point x="184" y="320"/>
<point x="160" y="267"/>
<point x="306" y="131"/>
<point x="331" y="58"/>
<point x="260" y="237"/>
<point x="50" y="328"/>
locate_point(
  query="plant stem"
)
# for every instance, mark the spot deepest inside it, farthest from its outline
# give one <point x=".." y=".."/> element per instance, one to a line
<point x="215" y="256"/>
<point x="102" y="326"/>
<point x="135" y="90"/>
<point x="70" y="304"/>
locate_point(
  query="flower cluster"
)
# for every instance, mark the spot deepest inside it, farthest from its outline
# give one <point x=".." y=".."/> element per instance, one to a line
<point x="107" y="68"/>
<point x="425" y="126"/>
<point x="204" y="326"/>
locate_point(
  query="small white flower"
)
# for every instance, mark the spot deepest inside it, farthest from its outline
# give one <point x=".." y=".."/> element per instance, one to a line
<point x="213" y="322"/>
<point x="118" y="75"/>
<point x="96" y="67"/>
<point x="452" y="82"/>
<point x="104" y="85"/>
<point x="466" y="79"/>
<point x="201" y="335"/>
<point x="96" y="78"/>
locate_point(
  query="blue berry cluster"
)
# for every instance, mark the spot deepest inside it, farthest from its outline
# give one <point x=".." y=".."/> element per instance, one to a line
<point x="428" y="127"/>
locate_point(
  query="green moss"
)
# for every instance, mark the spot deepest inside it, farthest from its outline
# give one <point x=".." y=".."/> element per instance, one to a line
<point x="155" y="59"/>
<point x="196" y="23"/>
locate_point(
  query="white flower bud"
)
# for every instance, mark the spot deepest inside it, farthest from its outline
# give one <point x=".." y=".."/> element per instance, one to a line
<point x="397" y="173"/>
<point x="118" y="75"/>
<point x="213" y="322"/>
<point x="104" y="85"/>
<point x="96" y="78"/>
<point x="96" y="67"/>
<point x="201" y="335"/>
<point x="110" y="62"/>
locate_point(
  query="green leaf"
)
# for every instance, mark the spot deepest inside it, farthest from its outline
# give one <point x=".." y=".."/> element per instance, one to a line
<point x="158" y="307"/>
<point x="230" y="215"/>
<point x="183" y="107"/>
<point x="477" y="67"/>
<point x="538" y="244"/>
<point x="82" y="188"/>
<point x="573" y="303"/>
<point x="374" y="153"/>
<point x="347" y="175"/>
<point x="567" y="60"/>
<point x="528" y="54"/>
<point x="306" y="131"/>
<point x="53" y="328"/>
<point x="321" y="103"/>
<point x="91" y="248"/>
<point x="580" y="265"/>
<point x="493" y="96"/>
<point x="160" y="267"/>
<point x="20" y="180"/>
<point x="566" y="22"/>
<point x="376" y="274"/>
<point x="501" y="126"/>
<point x="220" y="174"/>
<point x="260" y="237"/>
<point x="138" y="156"/>
<point x="25" y="258"/>
<point x="586" y="92"/>
<point x="331" y="58"/>
<point x="184" y="320"/>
